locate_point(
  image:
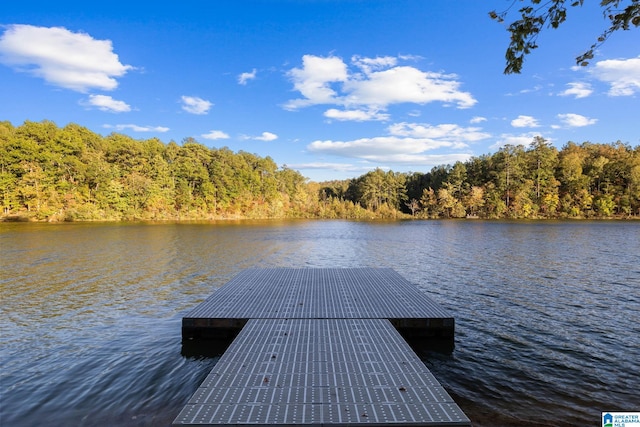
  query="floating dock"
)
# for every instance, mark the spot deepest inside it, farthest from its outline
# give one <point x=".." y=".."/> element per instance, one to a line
<point x="319" y="347"/>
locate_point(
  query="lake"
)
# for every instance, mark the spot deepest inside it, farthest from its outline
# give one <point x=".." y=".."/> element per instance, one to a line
<point x="547" y="313"/>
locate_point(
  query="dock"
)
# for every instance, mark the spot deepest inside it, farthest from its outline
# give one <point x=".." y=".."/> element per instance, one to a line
<point x="319" y="347"/>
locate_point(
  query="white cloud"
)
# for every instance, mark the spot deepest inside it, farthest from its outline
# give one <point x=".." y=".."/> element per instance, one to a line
<point x="575" y="120"/>
<point x="245" y="77"/>
<point x="390" y="149"/>
<point x="63" y="58"/>
<point x="137" y="128"/>
<point x="379" y="84"/>
<point x="195" y="105"/>
<point x="355" y="115"/>
<point x="477" y="119"/>
<point x="371" y="64"/>
<point x="266" y="136"/>
<point x="376" y="148"/>
<point x="525" y="122"/>
<point x="454" y="135"/>
<point x="536" y="88"/>
<point x="314" y="78"/>
<point x="622" y="74"/>
<point x="405" y="84"/>
<point x="509" y="139"/>
<point x="339" y="167"/>
<point x="578" y="89"/>
<point x="406" y="143"/>
<point x="107" y="103"/>
<point x="215" y="134"/>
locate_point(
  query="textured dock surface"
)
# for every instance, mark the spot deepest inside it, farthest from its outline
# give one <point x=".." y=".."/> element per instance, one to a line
<point x="322" y="293"/>
<point x="318" y="350"/>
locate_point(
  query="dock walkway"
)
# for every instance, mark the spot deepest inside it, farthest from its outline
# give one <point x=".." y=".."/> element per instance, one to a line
<point x="319" y="347"/>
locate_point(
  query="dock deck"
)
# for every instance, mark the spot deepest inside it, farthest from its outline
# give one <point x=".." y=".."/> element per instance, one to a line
<point x="319" y="347"/>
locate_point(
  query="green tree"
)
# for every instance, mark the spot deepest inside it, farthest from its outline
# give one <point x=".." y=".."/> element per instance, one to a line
<point x="535" y="15"/>
<point x="509" y="173"/>
<point x="543" y="161"/>
<point x="429" y="203"/>
<point x="575" y="197"/>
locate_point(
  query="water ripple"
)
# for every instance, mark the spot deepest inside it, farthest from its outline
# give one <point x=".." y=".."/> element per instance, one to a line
<point x="547" y="314"/>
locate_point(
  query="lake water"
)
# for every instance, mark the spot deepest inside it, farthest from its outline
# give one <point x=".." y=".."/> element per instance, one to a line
<point x="547" y="313"/>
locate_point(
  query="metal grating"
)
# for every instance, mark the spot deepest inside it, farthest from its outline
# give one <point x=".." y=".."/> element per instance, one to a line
<point x="322" y="293"/>
<point x="320" y="372"/>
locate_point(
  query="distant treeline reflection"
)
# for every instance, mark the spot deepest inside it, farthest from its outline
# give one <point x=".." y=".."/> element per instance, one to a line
<point x="73" y="174"/>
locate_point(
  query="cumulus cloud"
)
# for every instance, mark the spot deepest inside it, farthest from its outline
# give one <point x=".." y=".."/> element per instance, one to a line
<point x="355" y="115"/>
<point x="62" y="58"/>
<point x="137" y="128"/>
<point x="575" y="120"/>
<point x="195" y="105"/>
<point x="106" y="103"/>
<point x="406" y="84"/>
<point x="215" y="134"/>
<point x="266" y="136"/>
<point x="245" y="77"/>
<point x="578" y="89"/>
<point x="623" y="75"/>
<point x="314" y="78"/>
<point x="375" y="84"/>
<point x="525" y="122"/>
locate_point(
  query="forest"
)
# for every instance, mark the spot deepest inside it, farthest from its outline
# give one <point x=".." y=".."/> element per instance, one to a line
<point x="49" y="173"/>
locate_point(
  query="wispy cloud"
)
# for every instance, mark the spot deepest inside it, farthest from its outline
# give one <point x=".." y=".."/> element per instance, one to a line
<point x="575" y="120"/>
<point x="106" y="103"/>
<point x="623" y="75"/>
<point x="372" y="84"/>
<point x="245" y="77"/>
<point x="195" y="105"/>
<point x="137" y="128"/>
<point x="355" y="115"/>
<point x="62" y="58"/>
<point x="477" y="119"/>
<point x="510" y="139"/>
<point x="454" y="135"/>
<point x="265" y="136"/>
<point x="578" y="90"/>
<point x="407" y="143"/>
<point x="525" y="122"/>
<point x="390" y="149"/>
<point x="215" y="134"/>
<point x="338" y="167"/>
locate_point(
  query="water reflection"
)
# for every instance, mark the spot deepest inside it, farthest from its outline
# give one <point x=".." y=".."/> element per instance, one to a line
<point x="546" y="313"/>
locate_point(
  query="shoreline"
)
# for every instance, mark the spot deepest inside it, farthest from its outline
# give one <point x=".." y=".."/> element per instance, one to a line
<point x="403" y="217"/>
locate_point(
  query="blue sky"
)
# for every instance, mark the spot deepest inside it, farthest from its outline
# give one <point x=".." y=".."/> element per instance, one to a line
<point x="330" y="88"/>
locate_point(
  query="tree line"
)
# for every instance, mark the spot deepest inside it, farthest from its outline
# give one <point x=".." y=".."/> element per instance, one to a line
<point x="73" y="174"/>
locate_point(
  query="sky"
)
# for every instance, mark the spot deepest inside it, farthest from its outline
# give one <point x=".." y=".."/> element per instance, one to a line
<point x="330" y="88"/>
